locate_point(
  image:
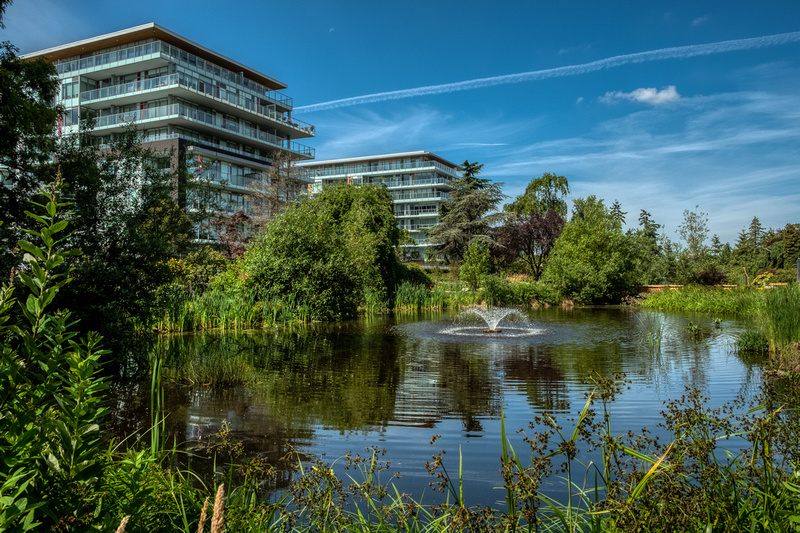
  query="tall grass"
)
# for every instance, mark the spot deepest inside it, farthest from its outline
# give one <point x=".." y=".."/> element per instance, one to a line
<point x="782" y="311"/>
<point x="714" y="300"/>
<point x="227" y="309"/>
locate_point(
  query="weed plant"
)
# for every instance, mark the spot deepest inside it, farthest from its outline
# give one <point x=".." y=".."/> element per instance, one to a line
<point x="651" y="330"/>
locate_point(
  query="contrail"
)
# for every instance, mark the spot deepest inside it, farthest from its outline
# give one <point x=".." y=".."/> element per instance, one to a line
<point x="676" y="52"/>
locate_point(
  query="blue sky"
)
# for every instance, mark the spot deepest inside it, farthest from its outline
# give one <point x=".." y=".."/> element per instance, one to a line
<point x="662" y="106"/>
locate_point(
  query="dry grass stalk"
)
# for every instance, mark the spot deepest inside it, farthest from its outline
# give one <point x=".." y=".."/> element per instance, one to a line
<point x="217" y="523"/>
<point x="203" y="517"/>
<point x="121" y="527"/>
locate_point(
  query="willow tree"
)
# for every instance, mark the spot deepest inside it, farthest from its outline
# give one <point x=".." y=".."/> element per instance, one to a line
<point x="542" y="195"/>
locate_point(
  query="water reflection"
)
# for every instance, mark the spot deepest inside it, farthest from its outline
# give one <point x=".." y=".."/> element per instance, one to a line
<point x="397" y="381"/>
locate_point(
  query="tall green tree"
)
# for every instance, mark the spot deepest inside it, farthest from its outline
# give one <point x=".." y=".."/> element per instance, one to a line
<point x="593" y="260"/>
<point x="694" y="232"/>
<point x="27" y="121"/>
<point x="466" y="215"/>
<point x="476" y="264"/>
<point x="542" y="194"/>
<point x="791" y="245"/>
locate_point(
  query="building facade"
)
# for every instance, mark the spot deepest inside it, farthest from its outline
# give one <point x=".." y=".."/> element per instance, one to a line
<point x="417" y="182"/>
<point x="215" y="117"/>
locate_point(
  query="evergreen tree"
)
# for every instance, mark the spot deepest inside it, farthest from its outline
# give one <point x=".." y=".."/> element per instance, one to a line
<point x="617" y="213"/>
<point x="791" y="245"/>
<point x="465" y="216"/>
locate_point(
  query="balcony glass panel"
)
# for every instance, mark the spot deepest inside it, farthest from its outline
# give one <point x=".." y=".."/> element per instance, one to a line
<point x="195" y="115"/>
<point x="195" y="84"/>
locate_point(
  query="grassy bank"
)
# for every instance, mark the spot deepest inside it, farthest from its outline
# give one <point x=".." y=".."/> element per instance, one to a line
<point x="237" y="308"/>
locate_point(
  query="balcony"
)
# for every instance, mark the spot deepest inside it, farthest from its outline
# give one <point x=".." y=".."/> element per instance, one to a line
<point x="111" y="60"/>
<point x="181" y="114"/>
<point x="158" y="50"/>
<point x="405" y="184"/>
<point x="382" y="166"/>
<point x="408" y="196"/>
<point x="128" y="93"/>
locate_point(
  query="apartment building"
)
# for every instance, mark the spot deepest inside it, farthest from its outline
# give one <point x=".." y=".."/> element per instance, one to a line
<point x="417" y="182"/>
<point x="216" y="117"/>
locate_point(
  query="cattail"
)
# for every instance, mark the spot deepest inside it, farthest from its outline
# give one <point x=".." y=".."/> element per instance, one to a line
<point x="217" y="523"/>
<point x="203" y="516"/>
<point x="122" y="524"/>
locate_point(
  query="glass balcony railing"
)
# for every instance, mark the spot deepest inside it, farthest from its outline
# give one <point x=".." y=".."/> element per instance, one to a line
<point x="109" y="59"/>
<point x="418" y="195"/>
<point x="415" y="183"/>
<point x="181" y="111"/>
<point x="198" y="86"/>
<point x="154" y="49"/>
<point x="411" y="213"/>
<point x="382" y="166"/>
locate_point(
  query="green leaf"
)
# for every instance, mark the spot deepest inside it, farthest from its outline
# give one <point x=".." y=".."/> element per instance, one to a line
<point x="51" y="208"/>
<point x="32" y="305"/>
<point x="31" y="249"/>
<point x="53" y="262"/>
<point x="29" y="282"/>
<point x="59" y="226"/>
<point x="37" y="218"/>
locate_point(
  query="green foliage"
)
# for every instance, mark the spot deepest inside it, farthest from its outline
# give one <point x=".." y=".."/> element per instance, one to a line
<point x="329" y="252"/>
<point x="465" y="215"/>
<point x="476" y="264"/>
<point x="782" y="311"/>
<point x="27" y="119"/>
<point x="50" y="410"/>
<point x="713" y="300"/>
<point x="791" y="245"/>
<point x="542" y="194"/>
<point x="752" y="341"/>
<point x="694" y="231"/>
<point x="593" y="260"/>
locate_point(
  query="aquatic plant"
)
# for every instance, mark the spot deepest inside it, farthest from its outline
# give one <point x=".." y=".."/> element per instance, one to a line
<point x="782" y="311"/>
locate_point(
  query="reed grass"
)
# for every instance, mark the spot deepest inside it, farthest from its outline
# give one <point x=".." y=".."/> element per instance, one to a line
<point x="738" y="301"/>
<point x="782" y="310"/>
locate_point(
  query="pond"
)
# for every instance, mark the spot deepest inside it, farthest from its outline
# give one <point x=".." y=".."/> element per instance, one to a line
<point x="394" y="382"/>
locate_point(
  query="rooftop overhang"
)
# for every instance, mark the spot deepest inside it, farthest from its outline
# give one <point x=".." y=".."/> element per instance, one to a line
<point x="154" y="31"/>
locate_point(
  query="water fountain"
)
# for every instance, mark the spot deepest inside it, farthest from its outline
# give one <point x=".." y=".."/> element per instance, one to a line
<point x="492" y="316"/>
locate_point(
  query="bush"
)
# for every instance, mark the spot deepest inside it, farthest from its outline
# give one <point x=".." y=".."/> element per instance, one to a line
<point x="329" y="252"/>
<point x="497" y="291"/>
<point x="412" y="273"/>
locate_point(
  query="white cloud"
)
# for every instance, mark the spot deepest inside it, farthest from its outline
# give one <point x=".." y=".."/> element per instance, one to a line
<point x="728" y="153"/>
<point x="699" y="20"/>
<point x="649" y="95"/>
<point x="675" y="52"/>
